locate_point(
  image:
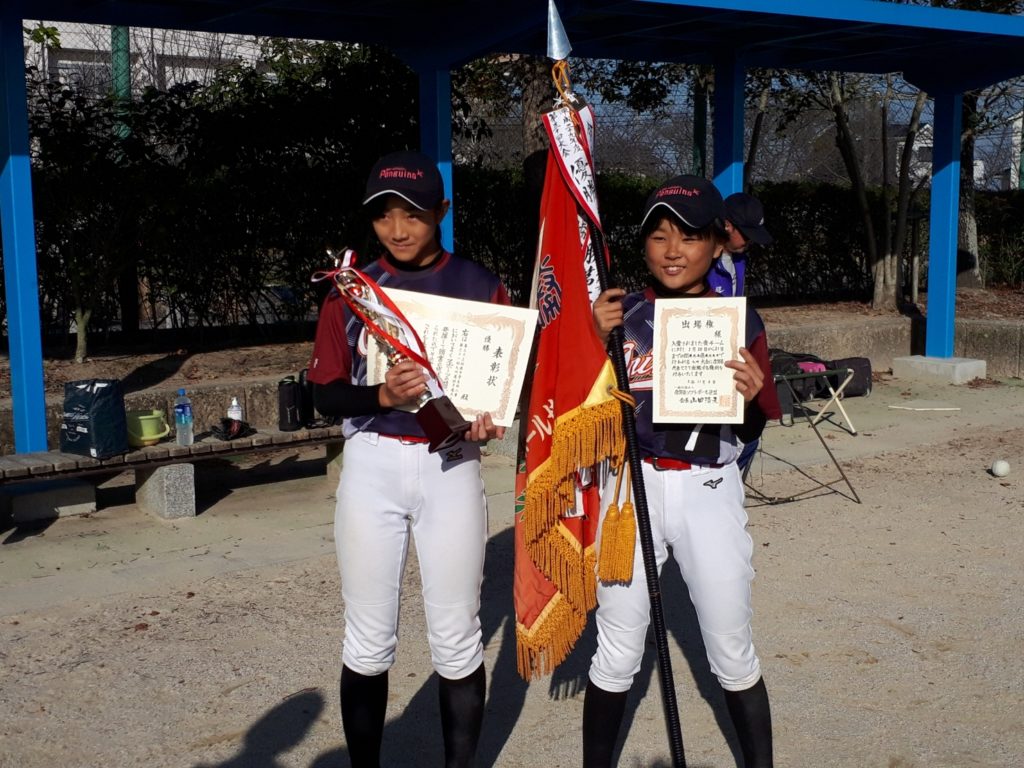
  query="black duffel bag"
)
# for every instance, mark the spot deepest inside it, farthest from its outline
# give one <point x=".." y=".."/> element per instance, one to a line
<point x="94" y="422"/>
<point x="860" y="384"/>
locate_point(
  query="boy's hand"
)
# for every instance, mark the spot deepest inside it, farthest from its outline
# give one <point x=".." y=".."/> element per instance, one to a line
<point x="483" y="429"/>
<point x="749" y="377"/>
<point x="608" y="312"/>
<point x="404" y="383"/>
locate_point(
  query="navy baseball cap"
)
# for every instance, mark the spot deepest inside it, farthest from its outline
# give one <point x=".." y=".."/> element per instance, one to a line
<point x="693" y="199"/>
<point x="747" y="214"/>
<point x="412" y="176"/>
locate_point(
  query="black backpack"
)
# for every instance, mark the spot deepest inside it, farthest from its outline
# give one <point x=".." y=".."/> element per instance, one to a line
<point x="307" y="414"/>
<point x="289" y="404"/>
<point x="94" y="422"/>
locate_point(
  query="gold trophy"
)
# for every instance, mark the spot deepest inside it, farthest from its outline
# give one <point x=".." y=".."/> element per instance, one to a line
<point x="437" y="415"/>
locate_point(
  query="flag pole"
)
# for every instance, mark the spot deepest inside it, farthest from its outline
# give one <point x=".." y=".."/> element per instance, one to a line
<point x="558" y="50"/>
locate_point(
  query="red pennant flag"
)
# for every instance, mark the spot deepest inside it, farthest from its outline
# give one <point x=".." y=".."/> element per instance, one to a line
<point x="572" y="423"/>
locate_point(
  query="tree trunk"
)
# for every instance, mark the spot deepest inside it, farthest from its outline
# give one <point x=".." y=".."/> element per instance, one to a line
<point x="755" y="138"/>
<point x="968" y="269"/>
<point x="702" y="77"/>
<point x="905" y="186"/>
<point x="886" y="298"/>
<point x="848" y="151"/>
<point x="82" y="317"/>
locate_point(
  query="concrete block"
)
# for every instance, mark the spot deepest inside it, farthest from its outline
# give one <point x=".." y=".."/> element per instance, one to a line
<point x="877" y="338"/>
<point x="955" y="370"/>
<point x="47" y="499"/>
<point x="997" y="342"/>
<point x="261" y="402"/>
<point x="169" y="492"/>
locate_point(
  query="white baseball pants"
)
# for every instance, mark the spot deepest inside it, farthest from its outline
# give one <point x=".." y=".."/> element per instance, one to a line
<point x="703" y="521"/>
<point x="389" y="490"/>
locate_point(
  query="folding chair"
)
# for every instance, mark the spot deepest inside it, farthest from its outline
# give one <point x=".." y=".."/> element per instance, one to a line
<point x="835" y="394"/>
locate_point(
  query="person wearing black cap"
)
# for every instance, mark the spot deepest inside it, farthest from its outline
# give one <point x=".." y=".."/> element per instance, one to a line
<point x="392" y="487"/>
<point x="693" y="487"/>
<point x="744" y="224"/>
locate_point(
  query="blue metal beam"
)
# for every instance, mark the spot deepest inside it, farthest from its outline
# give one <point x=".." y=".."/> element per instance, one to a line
<point x="728" y="125"/>
<point x="436" y="132"/>
<point x="945" y="213"/>
<point x="17" y="222"/>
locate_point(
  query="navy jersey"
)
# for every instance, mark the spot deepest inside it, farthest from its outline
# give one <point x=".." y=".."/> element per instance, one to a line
<point x="726" y="274"/>
<point x="695" y="443"/>
<point x="339" y="351"/>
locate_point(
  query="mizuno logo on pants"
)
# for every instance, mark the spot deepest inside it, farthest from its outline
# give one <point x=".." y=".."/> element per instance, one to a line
<point x="713" y="484"/>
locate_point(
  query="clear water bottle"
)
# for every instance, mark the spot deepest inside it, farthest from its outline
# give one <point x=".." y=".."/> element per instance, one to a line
<point x="183" y="418"/>
<point x="235" y="410"/>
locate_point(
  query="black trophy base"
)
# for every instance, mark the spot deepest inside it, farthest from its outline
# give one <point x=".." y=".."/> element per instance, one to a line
<point x="442" y="423"/>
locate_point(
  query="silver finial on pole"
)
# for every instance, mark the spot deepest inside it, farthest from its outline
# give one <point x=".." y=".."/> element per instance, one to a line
<point x="558" y="42"/>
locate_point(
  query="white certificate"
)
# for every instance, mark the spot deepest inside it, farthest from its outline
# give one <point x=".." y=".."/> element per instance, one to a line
<point x="478" y="350"/>
<point x="692" y="340"/>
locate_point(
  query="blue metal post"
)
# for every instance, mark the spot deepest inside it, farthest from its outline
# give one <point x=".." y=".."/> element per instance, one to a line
<point x="728" y="125"/>
<point x="17" y="222"/>
<point x="945" y="213"/>
<point x="436" y="133"/>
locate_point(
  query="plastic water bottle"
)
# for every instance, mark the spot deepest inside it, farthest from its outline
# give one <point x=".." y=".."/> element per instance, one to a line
<point x="235" y="410"/>
<point x="183" y="418"/>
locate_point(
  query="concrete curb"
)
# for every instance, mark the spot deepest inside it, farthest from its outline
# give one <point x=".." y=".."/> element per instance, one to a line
<point x="881" y="339"/>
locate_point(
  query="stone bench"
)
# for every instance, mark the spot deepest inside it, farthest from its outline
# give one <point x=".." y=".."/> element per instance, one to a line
<point x="164" y="473"/>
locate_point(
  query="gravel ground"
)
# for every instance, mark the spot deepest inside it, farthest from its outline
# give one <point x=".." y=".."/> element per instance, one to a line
<point x="890" y="630"/>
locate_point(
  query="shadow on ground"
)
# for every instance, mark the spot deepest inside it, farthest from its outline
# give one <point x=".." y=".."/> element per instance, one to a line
<point x="417" y="731"/>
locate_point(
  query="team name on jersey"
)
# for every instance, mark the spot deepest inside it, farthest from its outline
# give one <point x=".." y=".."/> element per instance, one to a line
<point x="639" y="366"/>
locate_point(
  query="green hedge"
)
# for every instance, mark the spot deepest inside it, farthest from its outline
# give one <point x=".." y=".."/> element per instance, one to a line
<point x="818" y="252"/>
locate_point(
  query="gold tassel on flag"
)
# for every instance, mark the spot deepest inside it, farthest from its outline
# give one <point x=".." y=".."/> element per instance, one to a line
<point x="618" y="536"/>
<point x="627" y="537"/>
<point x="618" y="531"/>
<point x="609" y="554"/>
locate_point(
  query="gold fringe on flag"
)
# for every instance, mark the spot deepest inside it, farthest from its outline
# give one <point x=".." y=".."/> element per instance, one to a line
<point x="584" y="438"/>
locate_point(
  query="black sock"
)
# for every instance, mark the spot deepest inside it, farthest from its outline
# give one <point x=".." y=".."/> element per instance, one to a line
<point x="602" y="718"/>
<point x="462" y="714"/>
<point x="752" y="716"/>
<point x="364" y="700"/>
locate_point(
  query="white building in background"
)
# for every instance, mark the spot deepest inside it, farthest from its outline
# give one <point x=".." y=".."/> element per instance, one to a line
<point x="921" y="159"/>
<point x="1010" y="176"/>
<point x="159" y="57"/>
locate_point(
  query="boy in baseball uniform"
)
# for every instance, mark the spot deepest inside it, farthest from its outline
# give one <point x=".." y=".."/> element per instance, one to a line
<point x="693" y="487"/>
<point x="744" y="226"/>
<point x="392" y="487"/>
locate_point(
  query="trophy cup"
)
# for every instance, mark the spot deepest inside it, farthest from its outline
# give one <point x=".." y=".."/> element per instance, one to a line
<point x="436" y="414"/>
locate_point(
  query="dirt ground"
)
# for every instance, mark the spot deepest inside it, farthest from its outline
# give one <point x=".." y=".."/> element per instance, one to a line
<point x="890" y="630"/>
<point x="143" y="367"/>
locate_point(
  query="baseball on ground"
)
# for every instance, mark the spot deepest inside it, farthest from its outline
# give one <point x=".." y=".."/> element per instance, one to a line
<point x="1000" y="468"/>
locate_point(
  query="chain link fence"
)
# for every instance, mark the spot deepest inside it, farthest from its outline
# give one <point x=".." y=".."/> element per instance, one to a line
<point x="84" y="55"/>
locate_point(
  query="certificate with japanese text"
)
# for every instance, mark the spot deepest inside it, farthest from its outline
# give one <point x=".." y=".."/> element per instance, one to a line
<point x="693" y="338"/>
<point x="478" y="350"/>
